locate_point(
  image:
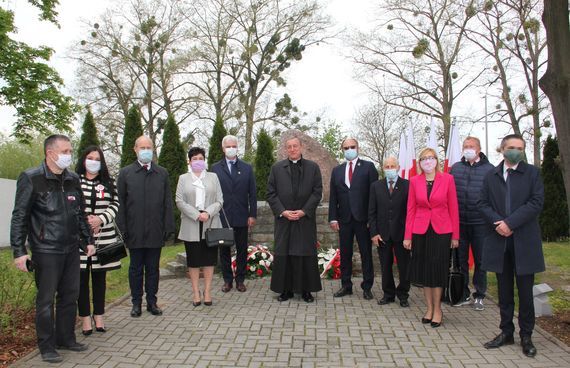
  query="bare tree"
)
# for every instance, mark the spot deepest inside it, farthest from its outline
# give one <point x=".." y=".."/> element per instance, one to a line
<point x="419" y="49"/>
<point x="134" y="54"/>
<point x="379" y="126"/>
<point x="509" y="34"/>
<point x="272" y="35"/>
<point x="556" y="81"/>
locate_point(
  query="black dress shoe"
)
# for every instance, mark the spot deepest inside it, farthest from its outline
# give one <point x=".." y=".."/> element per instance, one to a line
<point x="385" y="301"/>
<point x="52" y="357"/>
<point x="527" y="346"/>
<point x="367" y="294"/>
<point x="342" y="292"/>
<point x="209" y="303"/>
<point x="227" y="287"/>
<point x="285" y="296"/>
<point x="500" y="340"/>
<point x="154" y="310"/>
<point x="241" y="287"/>
<point x="308" y="298"/>
<point x="404" y="303"/>
<point x="87" y="332"/>
<point x="73" y="347"/>
<point x="136" y="311"/>
<point x="196" y="303"/>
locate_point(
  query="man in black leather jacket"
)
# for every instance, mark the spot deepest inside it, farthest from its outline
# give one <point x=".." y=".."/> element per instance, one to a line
<point x="48" y="212"/>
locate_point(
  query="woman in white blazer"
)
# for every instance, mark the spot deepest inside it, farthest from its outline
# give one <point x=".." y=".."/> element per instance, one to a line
<point x="199" y="198"/>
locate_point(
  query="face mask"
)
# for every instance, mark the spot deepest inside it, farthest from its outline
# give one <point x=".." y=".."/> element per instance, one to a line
<point x="469" y="154"/>
<point x="198" y="165"/>
<point x="92" y="166"/>
<point x="350" y="154"/>
<point x="231" y="152"/>
<point x="145" y="156"/>
<point x="63" y="161"/>
<point x="428" y="166"/>
<point x="391" y="174"/>
<point x="513" y="156"/>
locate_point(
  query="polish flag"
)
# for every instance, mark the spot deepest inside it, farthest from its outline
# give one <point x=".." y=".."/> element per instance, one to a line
<point x="402" y="155"/>
<point x="453" y="153"/>
<point x="432" y="140"/>
<point x="411" y="153"/>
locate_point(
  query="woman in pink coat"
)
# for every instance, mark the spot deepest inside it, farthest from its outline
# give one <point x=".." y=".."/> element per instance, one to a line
<point x="432" y="227"/>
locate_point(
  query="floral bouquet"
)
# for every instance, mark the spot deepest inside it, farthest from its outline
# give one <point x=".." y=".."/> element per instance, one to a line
<point x="329" y="263"/>
<point x="259" y="260"/>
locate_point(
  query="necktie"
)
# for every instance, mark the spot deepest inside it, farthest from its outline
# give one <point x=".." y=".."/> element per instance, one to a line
<point x="145" y="166"/>
<point x="350" y="172"/>
<point x="232" y="166"/>
<point x="508" y="193"/>
<point x="391" y="186"/>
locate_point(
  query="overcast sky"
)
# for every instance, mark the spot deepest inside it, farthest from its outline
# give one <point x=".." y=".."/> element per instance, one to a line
<point x="322" y="83"/>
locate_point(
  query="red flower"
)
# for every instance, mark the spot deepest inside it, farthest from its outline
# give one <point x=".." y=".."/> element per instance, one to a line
<point x="259" y="272"/>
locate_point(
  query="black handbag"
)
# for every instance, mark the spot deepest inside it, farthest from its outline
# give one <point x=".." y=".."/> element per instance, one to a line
<point x="454" y="288"/>
<point x="113" y="252"/>
<point x="222" y="237"/>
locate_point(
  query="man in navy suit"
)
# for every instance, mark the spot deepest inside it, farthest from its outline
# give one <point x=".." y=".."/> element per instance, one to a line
<point x="348" y="214"/>
<point x="511" y="201"/>
<point x="387" y="221"/>
<point x="240" y="205"/>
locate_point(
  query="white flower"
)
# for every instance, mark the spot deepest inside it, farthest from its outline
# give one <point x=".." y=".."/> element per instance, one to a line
<point x="252" y="268"/>
<point x="264" y="255"/>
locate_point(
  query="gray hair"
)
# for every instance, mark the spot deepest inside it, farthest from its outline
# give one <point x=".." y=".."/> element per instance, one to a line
<point x="390" y="158"/>
<point x="229" y="137"/>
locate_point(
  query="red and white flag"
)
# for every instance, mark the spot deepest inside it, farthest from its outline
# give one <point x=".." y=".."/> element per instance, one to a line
<point x="432" y="140"/>
<point x="407" y="155"/>
<point x="453" y="153"/>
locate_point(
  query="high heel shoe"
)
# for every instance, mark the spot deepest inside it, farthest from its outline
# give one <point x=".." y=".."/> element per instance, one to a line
<point x="208" y="303"/>
<point x="87" y="332"/>
<point x="426" y="321"/>
<point x="98" y="329"/>
<point x="195" y="304"/>
<point x="437" y="324"/>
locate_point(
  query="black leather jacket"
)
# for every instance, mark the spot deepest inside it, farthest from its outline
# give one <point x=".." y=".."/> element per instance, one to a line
<point x="48" y="211"/>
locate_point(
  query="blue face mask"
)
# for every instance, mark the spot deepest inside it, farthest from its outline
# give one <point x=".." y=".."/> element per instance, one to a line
<point x="391" y="174"/>
<point x="145" y="156"/>
<point x="350" y="154"/>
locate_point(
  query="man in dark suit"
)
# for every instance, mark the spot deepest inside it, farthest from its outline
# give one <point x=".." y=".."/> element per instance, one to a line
<point x="240" y="207"/>
<point x="511" y="201"/>
<point x="146" y="220"/>
<point x="348" y="214"/>
<point x="294" y="191"/>
<point x="387" y="221"/>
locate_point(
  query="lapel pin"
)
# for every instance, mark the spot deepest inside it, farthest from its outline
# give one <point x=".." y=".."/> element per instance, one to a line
<point x="239" y="172"/>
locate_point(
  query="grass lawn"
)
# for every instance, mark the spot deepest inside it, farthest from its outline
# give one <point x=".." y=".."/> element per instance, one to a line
<point x="557" y="275"/>
<point x="17" y="289"/>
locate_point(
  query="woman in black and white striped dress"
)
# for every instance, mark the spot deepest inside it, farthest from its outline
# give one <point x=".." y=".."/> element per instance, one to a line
<point x="101" y="206"/>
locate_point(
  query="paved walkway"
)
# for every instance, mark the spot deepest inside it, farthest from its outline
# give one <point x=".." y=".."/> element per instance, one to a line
<point x="253" y="330"/>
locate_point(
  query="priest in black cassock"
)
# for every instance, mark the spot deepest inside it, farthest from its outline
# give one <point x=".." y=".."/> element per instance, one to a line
<point x="294" y="190"/>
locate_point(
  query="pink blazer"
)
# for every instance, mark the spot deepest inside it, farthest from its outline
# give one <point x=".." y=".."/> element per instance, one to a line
<point x="441" y="210"/>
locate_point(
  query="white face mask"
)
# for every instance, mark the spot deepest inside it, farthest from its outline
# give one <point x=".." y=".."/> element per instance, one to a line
<point x="231" y="152"/>
<point x="92" y="166"/>
<point x="63" y="161"/>
<point x="469" y="154"/>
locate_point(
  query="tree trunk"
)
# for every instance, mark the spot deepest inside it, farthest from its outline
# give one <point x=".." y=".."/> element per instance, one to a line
<point x="556" y="80"/>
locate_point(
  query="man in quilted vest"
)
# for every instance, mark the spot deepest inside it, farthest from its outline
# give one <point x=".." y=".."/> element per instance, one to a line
<point x="469" y="174"/>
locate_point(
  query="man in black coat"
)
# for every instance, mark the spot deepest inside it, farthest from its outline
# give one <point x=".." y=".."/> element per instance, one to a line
<point x="240" y="206"/>
<point x="146" y="220"/>
<point x="348" y="214"/>
<point x="49" y="214"/>
<point x="294" y="191"/>
<point x="511" y="201"/>
<point x="387" y="221"/>
<point x="469" y="174"/>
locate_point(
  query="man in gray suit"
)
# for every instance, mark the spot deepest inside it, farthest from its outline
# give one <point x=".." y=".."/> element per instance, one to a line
<point x="294" y="190"/>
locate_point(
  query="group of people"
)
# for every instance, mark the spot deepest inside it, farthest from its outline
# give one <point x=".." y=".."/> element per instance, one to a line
<point x="65" y="217"/>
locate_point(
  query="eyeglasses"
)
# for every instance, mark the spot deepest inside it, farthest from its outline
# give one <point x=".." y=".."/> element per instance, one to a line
<point x="348" y="147"/>
<point x="427" y="158"/>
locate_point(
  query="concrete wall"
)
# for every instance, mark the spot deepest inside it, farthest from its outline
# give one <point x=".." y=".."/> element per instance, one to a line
<point x="7" y="192"/>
